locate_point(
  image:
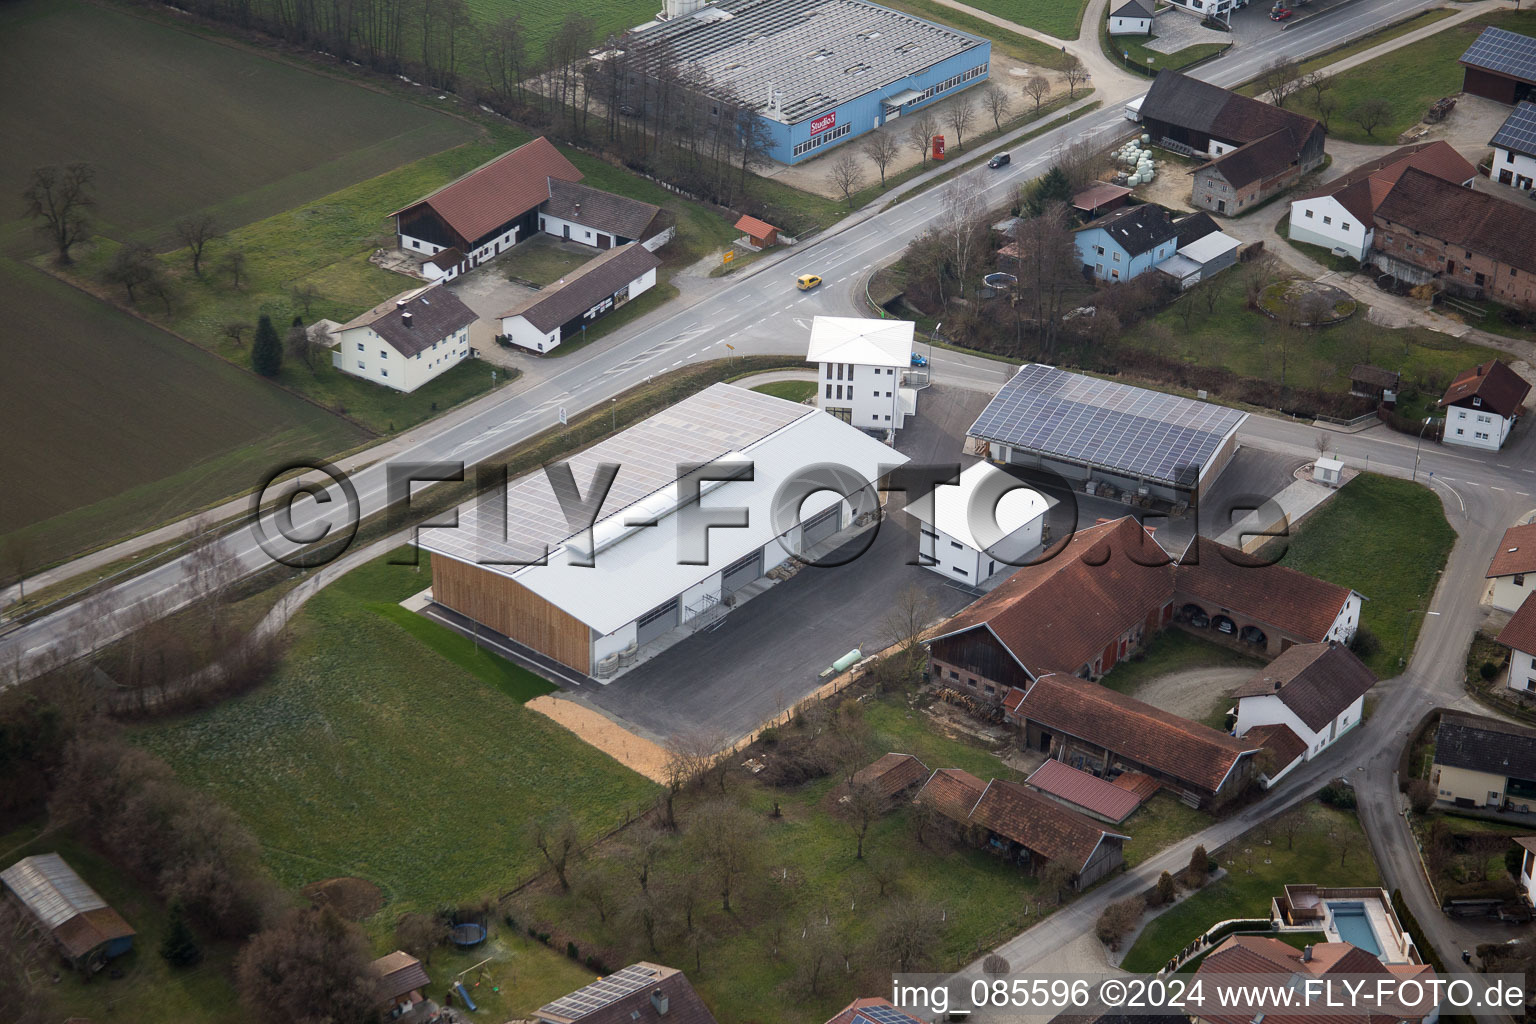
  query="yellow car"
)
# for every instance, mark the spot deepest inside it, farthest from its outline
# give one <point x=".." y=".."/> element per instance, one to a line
<point x="805" y="282"/>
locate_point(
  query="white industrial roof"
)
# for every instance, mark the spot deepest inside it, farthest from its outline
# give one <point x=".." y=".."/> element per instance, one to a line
<point x="50" y="889"/>
<point x="637" y="568"/>
<point x="1178" y="266"/>
<point x="1208" y="247"/>
<point x="1015" y="509"/>
<point x="861" y="341"/>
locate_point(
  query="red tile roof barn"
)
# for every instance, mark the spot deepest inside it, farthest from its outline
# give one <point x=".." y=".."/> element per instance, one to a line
<point x="1316" y="681"/>
<point x="1038" y="823"/>
<point x="1517" y="552"/>
<point x="1139" y="732"/>
<point x="1060" y="614"/>
<point x="1221" y="577"/>
<point x="1476" y="221"/>
<point x="1091" y="793"/>
<point x="892" y="774"/>
<point x="501" y="190"/>
<point x="1363" y="188"/>
<point x="1520" y="631"/>
<point x="1497" y="386"/>
<point x="953" y="792"/>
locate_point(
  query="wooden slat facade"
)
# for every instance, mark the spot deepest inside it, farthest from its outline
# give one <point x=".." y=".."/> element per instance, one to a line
<point x="512" y="610"/>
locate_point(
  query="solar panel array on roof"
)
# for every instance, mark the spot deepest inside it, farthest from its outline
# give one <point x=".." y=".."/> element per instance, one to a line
<point x="601" y="993"/>
<point x="1518" y="132"/>
<point x="885" y="1015"/>
<point x="1142" y="434"/>
<point x="1503" y="52"/>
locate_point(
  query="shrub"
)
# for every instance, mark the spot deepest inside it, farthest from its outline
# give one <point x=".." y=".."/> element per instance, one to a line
<point x="570" y="951"/>
<point x="769" y="736"/>
<point x="1365" y="644"/>
<point x="180" y="948"/>
<point x="1487" y="670"/>
<point x="1199" y="867"/>
<point x="1421" y="795"/>
<point x="1340" y="794"/>
<point x="1165" y="890"/>
<point x="1118" y="919"/>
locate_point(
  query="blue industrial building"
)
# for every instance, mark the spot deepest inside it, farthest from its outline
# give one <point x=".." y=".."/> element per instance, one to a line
<point x="818" y="72"/>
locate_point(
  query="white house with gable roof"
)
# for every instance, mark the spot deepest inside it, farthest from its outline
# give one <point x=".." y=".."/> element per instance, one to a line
<point x="860" y="367"/>
<point x="982" y="526"/>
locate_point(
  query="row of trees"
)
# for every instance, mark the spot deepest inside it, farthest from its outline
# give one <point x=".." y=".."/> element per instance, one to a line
<point x="1283" y="80"/>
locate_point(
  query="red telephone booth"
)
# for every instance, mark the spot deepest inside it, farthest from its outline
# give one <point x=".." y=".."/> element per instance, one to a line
<point x="938" y="147"/>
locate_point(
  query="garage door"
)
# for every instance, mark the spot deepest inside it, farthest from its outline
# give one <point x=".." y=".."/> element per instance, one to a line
<point x="819" y="527"/>
<point x="656" y="622"/>
<point x="739" y="573"/>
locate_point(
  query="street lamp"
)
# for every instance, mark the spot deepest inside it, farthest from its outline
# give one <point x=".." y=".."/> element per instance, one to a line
<point x="613" y="404"/>
<point x="1418" y="447"/>
<point x="932" y="336"/>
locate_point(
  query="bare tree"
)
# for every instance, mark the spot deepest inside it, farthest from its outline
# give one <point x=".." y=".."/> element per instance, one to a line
<point x="920" y="132"/>
<point x="209" y="572"/>
<point x="234" y="265"/>
<point x="421" y="935"/>
<point x="846" y="175"/>
<point x="994" y="100"/>
<point x="1212" y="289"/>
<point x="881" y="149"/>
<point x="300" y="343"/>
<point x="1037" y="88"/>
<point x="15" y="563"/>
<point x="865" y="805"/>
<point x="960" y="116"/>
<point x="24" y="964"/>
<point x="304" y="296"/>
<point x="235" y="331"/>
<point x="1324" y="106"/>
<point x="1056" y="878"/>
<point x="814" y="954"/>
<point x="133" y="266"/>
<point x="963" y="228"/>
<point x="925" y="820"/>
<point x="311" y="966"/>
<point x="594" y="886"/>
<point x="912" y="612"/>
<point x="195" y="232"/>
<point x="640" y="858"/>
<point x="724" y="837"/>
<point x="907" y="934"/>
<point x="1371" y="114"/>
<point x="1321" y="443"/>
<point x="1281" y="79"/>
<point x="61" y="198"/>
<point x="1049" y="267"/>
<point x="1075" y="74"/>
<point x="558" y="840"/>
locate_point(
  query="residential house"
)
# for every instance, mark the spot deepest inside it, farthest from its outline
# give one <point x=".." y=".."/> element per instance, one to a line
<point x="892" y="775"/>
<point x="1127" y="242"/>
<point x="1337" y="910"/>
<point x="1085" y="792"/>
<point x="579" y="213"/>
<point x="1340" y="215"/>
<point x="1483" y="762"/>
<point x="1101" y="731"/>
<point x="1374" y="383"/>
<point x="1500" y="65"/>
<point x="860" y="363"/>
<point x="1472" y="243"/>
<point x="1216" y="10"/>
<point x="566" y="309"/>
<point x="1513" y="568"/>
<point x="986" y="524"/>
<point x="514" y="566"/>
<point x="1033" y="830"/>
<point x="1255" y="171"/>
<point x="402" y="980"/>
<point x="1482" y="405"/>
<point x="1315" y="690"/>
<point x="642" y="993"/>
<point x="1132" y="18"/>
<point x="1519" y="635"/>
<point x="872" y="1010"/>
<point x="85" y="929"/>
<point x="408" y="340"/>
<point x="1514" y="148"/>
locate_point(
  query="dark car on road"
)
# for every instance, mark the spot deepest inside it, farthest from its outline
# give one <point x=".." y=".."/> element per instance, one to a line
<point x="1001" y="160"/>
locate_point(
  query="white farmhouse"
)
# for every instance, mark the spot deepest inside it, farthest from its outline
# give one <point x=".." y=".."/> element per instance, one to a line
<point x="981" y="526"/>
<point x="565" y="310"/>
<point x="1513" y="568"/>
<point x="406" y="341"/>
<point x="1482" y="404"/>
<point x="1317" y="691"/>
<point x="861" y="362"/>
<point x="1514" y="148"/>
<point x="1519" y="635"/>
<point x="1340" y="215"/>
<point x="1132" y="18"/>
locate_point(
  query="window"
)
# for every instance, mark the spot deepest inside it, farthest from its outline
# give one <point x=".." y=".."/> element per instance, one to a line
<point x="1327" y="220"/>
<point x="829" y="371"/>
<point x="887" y="394"/>
<point x="415" y="244"/>
<point x="1344" y="225"/>
<point x="839" y="371"/>
<point x="874" y="394"/>
<point x="1117" y="257"/>
<point x="383" y="372"/>
<point x="1309" y="215"/>
<point x="360" y="346"/>
<point x="829" y="390"/>
<point x="822" y="139"/>
<point x="839" y="392"/>
<point x="1509" y="156"/>
<point x="961" y="571"/>
<point x="383" y="354"/>
<point x="1519" y="579"/>
<point x="887" y="419"/>
<point x="928" y="533"/>
<point x="361" y="365"/>
<point x="1098" y="250"/>
<point x="955" y="544"/>
<point x="953" y="674"/>
<point x="1460" y="431"/>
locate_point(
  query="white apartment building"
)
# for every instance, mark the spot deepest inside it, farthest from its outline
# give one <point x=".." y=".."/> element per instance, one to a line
<point x="406" y="341"/>
<point x="861" y="365"/>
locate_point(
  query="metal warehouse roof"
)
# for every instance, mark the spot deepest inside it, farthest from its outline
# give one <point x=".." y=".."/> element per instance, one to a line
<point x="1137" y="433"/>
<point x="50" y="889"/>
<point x="814" y="54"/>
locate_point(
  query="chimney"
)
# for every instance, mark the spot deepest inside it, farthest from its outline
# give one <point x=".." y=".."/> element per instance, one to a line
<point x="405" y="318"/>
<point x="1277" y="686"/>
<point x="1306" y="954"/>
<point x="578" y="209"/>
<point x="659" y="1000"/>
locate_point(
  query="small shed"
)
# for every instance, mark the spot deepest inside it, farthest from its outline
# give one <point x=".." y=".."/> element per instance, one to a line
<point x="1328" y="471"/>
<point x="86" y="930"/>
<point x="401" y="981"/>
<point x="892" y="775"/>
<point x="1370" y="381"/>
<point x="1132" y="18"/>
<point x="1100" y="198"/>
<point x="760" y="234"/>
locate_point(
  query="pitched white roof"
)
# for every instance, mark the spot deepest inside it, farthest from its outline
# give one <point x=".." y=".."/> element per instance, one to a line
<point x="1014" y="510"/>
<point x="861" y="341"/>
<point x="50" y="889"/>
<point x="1208" y="247"/>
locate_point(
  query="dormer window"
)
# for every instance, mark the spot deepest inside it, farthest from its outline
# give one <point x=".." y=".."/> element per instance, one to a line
<point x="1477" y="400"/>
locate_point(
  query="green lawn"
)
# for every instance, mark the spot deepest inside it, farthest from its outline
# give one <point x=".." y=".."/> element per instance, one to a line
<point x="1060" y="18"/>
<point x="542" y="260"/>
<point x="1147" y="61"/>
<point x="1011" y="44"/>
<point x="650" y="300"/>
<point x="1327" y="257"/>
<point x="394" y="753"/>
<point x="1388" y="539"/>
<point x="1246" y="890"/>
<point x="1410" y="78"/>
<point x="790" y="390"/>
<point x="1158" y="824"/>
<point x="1172" y="650"/>
<point x="1362" y="43"/>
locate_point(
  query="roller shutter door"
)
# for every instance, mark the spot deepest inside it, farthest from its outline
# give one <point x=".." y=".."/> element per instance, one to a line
<point x="656" y="622"/>
<point x="739" y="573"/>
<point x="819" y="527"/>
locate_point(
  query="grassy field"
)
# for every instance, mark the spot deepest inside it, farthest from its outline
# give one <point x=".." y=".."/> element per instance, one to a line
<point x="390" y="750"/>
<point x="1020" y="48"/>
<point x="542" y="260"/>
<point x="1250" y="883"/>
<point x="1409" y="78"/>
<point x="1148" y="60"/>
<point x="1053" y="17"/>
<point x="1388" y="539"/>
<point x="1365" y="42"/>
<point x="792" y="390"/>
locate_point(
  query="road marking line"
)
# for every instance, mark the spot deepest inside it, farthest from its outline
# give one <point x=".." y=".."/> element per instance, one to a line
<point x="1523" y="494"/>
<point x="1493" y="488"/>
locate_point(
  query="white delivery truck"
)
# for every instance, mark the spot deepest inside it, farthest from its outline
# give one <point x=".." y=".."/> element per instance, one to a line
<point x="1133" y="109"/>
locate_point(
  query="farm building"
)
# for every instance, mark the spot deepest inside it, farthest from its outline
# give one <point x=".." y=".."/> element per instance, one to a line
<point x="1033" y="830"/>
<point x="1202" y="258"/>
<point x="1513" y="568"/>
<point x="1315" y="690"/>
<point x="1514" y="148"/>
<point x="402" y="980"/>
<point x="1132" y="18"/>
<point x="1104" y="434"/>
<point x="952" y="792"/>
<point x="407" y="340"/>
<point x="640" y="993"/>
<point x="1097" y="199"/>
<point x="520" y="570"/>
<point x="1483" y="762"/>
<point x="815" y="72"/>
<point x="1519" y="635"/>
<point x="86" y="931"/>
<point x="1483" y="403"/>
<point x="862" y="364"/>
<point x="1500" y="65"/>
<point x="593" y="217"/>
<point x="1373" y="382"/>
<point x="1468" y="242"/>
<point x="1340" y="216"/>
<point x="985" y="524"/>
<point x="565" y="310"/>
<point x="892" y="775"/>
<point x="1087" y="793"/>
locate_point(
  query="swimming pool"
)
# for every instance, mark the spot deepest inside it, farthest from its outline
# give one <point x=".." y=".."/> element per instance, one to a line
<point x="1354" y="926"/>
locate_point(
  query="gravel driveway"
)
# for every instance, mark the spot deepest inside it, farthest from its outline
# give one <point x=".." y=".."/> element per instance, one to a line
<point x="1192" y="694"/>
